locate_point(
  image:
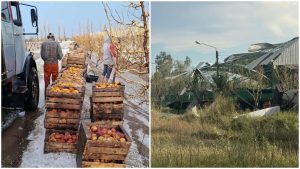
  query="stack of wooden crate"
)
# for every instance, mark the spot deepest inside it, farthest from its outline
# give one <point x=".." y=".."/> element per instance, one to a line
<point x="64" y="101"/>
<point x="99" y="146"/>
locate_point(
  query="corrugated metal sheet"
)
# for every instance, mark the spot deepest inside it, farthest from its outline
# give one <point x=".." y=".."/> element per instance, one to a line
<point x="256" y="62"/>
<point x="285" y="54"/>
<point x="289" y="55"/>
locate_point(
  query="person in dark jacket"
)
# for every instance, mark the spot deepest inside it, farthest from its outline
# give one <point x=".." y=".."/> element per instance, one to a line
<point x="50" y="52"/>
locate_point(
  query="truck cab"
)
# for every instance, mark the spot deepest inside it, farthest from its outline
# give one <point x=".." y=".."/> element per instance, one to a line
<point x="19" y="77"/>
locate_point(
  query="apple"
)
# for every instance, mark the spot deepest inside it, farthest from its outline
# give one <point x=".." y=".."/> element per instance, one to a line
<point x="101" y="138"/>
<point x="68" y="135"/>
<point x="110" y="139"/>
<point x="52" y="139"/>
<point x="120" y="134"/>
<point x="106" y="135"/>
<point x="104" y="130"/>
<point x="66" y="138"/>
<point x="57" y="136"/>
<point x="52" y="135"/>
<point x="109" y="132"/>
<point x="94" y="136"/>
<point x="94" y="128"/>
<point x="100" y="133"/>
<point x="113" y="130"/>
<point x="122" y="140"/>
<point x="61" y="141"/>
<point x="117" y="137"/>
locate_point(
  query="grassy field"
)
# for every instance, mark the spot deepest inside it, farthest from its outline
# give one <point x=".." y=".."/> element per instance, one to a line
<point x="216" y="139"/>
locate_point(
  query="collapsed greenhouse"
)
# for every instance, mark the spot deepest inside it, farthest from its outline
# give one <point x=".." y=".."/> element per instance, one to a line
<point x="265" y="76"/>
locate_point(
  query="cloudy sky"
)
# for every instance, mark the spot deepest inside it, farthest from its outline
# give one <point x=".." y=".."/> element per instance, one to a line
<point x="230" y="26"/>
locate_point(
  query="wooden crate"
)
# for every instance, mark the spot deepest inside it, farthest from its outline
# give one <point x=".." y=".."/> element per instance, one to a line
<point x="91" y="164"/>
<point x="107" y="103"/>
<point x="107" y="111"/>
<point x="119" y="91"/>
<point x="59" y="147"/>
<point x="64" y="101"/>
<point x="89" y="150"/>
<point x="83" y="71"/>
<point x="77" y="65"/>
<point x="62" y="119"/>
<point x="79" y="85"/>
<point x="72" y="96"/>
<point x="78" y="59"/>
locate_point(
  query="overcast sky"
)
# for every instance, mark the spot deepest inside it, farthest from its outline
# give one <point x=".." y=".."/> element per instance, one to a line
<point x="230" y="26"/>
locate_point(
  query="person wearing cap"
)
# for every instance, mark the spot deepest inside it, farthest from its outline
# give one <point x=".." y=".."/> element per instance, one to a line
<point x="109" y="57"/>
<point x="50" y="52"/>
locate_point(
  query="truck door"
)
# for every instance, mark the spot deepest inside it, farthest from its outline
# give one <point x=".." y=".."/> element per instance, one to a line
<point x="8" y="55"/>
<point x="18" y="37"/>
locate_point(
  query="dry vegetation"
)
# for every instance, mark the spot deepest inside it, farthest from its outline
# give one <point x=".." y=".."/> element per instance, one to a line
<point x="131" y="38"/>
<point x="216" y="139"/>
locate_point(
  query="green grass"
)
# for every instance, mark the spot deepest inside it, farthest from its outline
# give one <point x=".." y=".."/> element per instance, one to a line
<point x="216" y="139"/>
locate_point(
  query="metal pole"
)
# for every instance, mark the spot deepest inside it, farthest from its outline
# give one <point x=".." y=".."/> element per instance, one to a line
<point x="217" y="57"/>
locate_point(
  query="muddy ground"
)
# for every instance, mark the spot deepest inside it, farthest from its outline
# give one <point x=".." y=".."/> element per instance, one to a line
<point x="15" y="129"/>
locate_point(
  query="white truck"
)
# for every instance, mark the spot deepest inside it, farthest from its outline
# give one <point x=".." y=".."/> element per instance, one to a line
<point x="19" y="77"/>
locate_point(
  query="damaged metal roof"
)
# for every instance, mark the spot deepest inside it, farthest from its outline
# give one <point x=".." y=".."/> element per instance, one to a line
<point x="284" y="54"/>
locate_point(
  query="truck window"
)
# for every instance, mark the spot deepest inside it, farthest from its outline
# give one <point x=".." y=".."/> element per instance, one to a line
<point x="4" y="12"/>
<point x="16" y="15"/>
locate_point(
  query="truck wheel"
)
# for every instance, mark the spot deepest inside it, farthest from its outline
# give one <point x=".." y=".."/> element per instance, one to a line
<point x="33" y="90"/>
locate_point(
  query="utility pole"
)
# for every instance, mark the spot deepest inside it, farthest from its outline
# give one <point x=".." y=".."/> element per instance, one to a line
<point x="217" y="58"/>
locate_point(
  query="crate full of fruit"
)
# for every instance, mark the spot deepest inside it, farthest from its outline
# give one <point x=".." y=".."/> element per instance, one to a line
<point x="109" y="89"/>
<point x="60" y="141"/>
<point x="64" y="98"/>
<point x="76" y="59"/>
<point x="71" y="71"/>
<point x="62" y="119"/>
<point x="107" y="101"/>
<point x="103" y="142"/>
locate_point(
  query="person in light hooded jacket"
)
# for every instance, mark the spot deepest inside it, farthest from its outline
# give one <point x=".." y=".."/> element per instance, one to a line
<point x="109" y="57"/>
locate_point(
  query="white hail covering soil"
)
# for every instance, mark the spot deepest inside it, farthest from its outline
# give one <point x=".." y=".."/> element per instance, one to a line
<point x="134" y="159"/>
<point x="34" y="155"/>
<point x="143" y="137"/>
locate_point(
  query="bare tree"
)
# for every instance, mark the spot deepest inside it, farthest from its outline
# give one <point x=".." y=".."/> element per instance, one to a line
<point x="132" y="35"/>
<point x="65" y="38"/>
<point x="48" y="27"/>
<point x="45" y="30"/>
<point x="58" y="36"/>
<point x="256" y="86"/>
